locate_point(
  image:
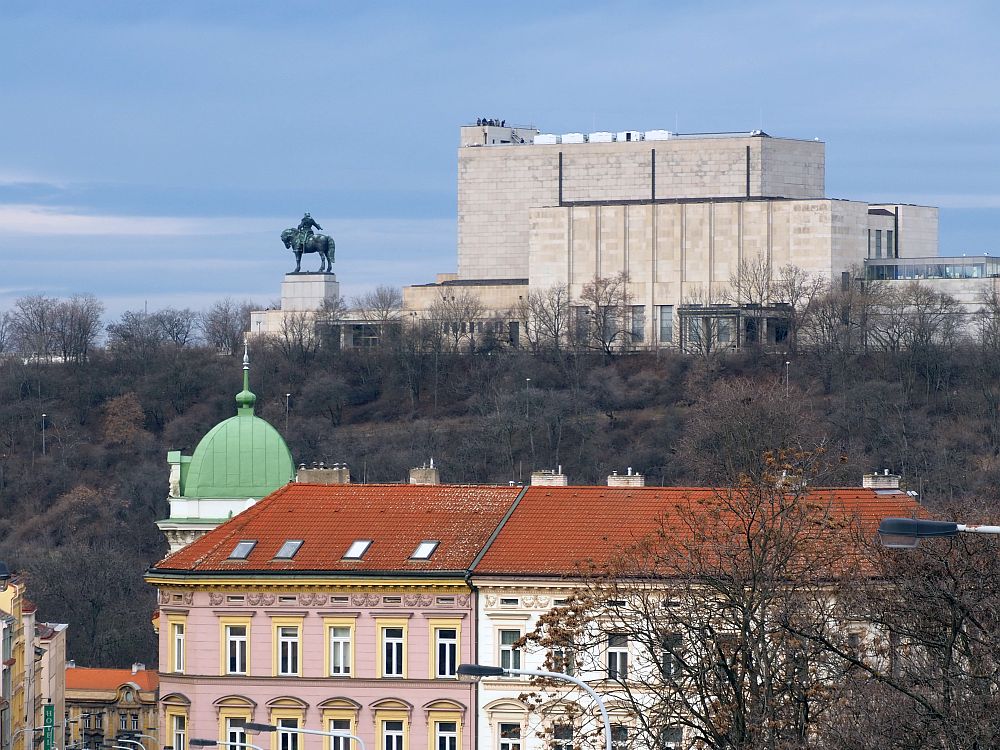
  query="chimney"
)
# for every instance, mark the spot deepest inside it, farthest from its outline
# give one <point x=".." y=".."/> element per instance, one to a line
<point x="883" y="481"/>
<point x="323" y="474"/>
<point x="630" y="479"/>
<point x="138" y="666"/>
<point x="549" y="478"/>
<point x="426" y="474"/>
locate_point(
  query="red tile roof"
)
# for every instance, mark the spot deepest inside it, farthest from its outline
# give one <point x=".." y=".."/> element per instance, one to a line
<point x="329" y="517"/>
<point x="554" y="529"/>
<point x="89" y="678"/>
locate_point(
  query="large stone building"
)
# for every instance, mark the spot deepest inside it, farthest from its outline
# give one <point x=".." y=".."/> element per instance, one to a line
<point x="105" y="705"/>
<point x="680" y="214"/>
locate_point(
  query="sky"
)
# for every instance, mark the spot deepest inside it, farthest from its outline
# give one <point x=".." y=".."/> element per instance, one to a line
<point x="152" y="152"/>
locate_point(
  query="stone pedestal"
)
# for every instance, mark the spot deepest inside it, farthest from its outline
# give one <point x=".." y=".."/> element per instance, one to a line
<point x="307" y="292"/>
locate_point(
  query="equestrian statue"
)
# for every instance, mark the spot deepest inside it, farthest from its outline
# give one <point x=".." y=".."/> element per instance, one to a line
<point x="302" y="240"/>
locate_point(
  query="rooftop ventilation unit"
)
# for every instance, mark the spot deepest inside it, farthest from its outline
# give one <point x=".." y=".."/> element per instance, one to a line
<point x="658" y="135"/>
<point x="574" y="138"/>
<point x="547" y="139"/>
<point x="601" y="136"/>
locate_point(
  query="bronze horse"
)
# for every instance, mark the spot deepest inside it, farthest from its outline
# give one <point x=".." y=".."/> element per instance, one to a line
<point x="317" y="243"/>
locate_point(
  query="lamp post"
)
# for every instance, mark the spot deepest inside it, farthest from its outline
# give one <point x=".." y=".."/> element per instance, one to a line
<point x="906" y="533"/>
<point x="43" y="433"/>
<point x="131" y="742"/>
<point x="253" y="726"/>
<point x="787" y="363"/>
<point x="477" y="671"/>
<point x="287" y="397"/>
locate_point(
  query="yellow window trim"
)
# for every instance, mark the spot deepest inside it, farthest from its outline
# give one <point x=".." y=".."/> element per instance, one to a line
<point x="392" y="715"/>
<point x="287" y="713"/>
<point x="329" y="623"/>
<point x="224" y="622"/>
<point x="443" y="623"/>
<point x="329" y="714"/>
<point x="433" y="717"/>
<point x="381" y="623"/>
<point x="172" y="620"/>
<point x="168" y="716"/>
<point x="232" y="713"/>
<point x="286" y="621"/>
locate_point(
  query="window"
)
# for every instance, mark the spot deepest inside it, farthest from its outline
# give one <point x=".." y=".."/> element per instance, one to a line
<point x="638" y="322"/>
<point x="236" y="649"/>
<point x="509" y="736"/>
<point x="236" y="599"/>
<point x="242" y="550"/>
<point x="288" y="740"/>
<point x="562" y="737"/>
<point x="341" y="726"/>
<point x="446" y="648"/>
<point x="392" y="652"/>
<point x="725" y="330"/>
<point x="619" y="736"/>
<point x="288" y="549"/>
<point x="878" y="243"/>
<point x="135" y="722"/>
<point x="509" y="601"/>
<point x="617" y="656"/>
<point x="177" y="636"/>
<point x="86" y="721"/>
<point x="340" y="651"/>
<point x="288" y="650"/>
<point x="510" y="655"/>
<point x="890" y="251"/>
<point x="666" y="323"/>
<point x="671" y="738"/>
<point x="99" y="721"/>
<point x="123" y="722"/>
<point x="669" y="657"/>
<point x="235" y="731"/>
<point x="564" y="660"/>
<point x="424" y="550"/>
<point x="357" y="549"/>
<point x="392" y="735"/>
<point x="446" y="735"/>
<point x="178" y="730"/>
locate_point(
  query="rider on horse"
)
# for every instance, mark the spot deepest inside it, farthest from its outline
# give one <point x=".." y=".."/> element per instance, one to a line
<point x="306" y="229"/>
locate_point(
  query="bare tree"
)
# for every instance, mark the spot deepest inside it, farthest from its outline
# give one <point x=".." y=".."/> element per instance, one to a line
<point x="546" y="317"/>
<point x="135" y="336"/>
<point x="604" y="315"/>
<point x="6" y="332"/>
<point x="381" y="309"/>
<point x="224" y="324"/>
<point x="178" y="326"/>
<point x="76" y="324"/>
<point x="299" y="339"/>
<point x="702" y="606"/>
<point x="459" y="316"/>
<point x="33" y="321"/>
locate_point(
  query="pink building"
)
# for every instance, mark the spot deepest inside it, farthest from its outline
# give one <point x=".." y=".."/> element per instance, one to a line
<point x="328" y="607"/>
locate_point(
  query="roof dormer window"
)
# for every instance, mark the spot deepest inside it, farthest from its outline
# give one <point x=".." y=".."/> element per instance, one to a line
<point x="242" y="550"/>
<point x="357" y="549"/>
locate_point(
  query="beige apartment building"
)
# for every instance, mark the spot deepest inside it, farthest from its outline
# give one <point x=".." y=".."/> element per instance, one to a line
<point x="680" y="214"/>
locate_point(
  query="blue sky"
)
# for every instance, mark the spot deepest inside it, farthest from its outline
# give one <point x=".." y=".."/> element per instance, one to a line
<point x="151" y="152"/>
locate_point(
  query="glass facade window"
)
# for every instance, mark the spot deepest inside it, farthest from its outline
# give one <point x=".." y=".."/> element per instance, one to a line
<point x="288" y="650"/>
<point x="666" y="324"/>
<point x="510" y="655"/>
<point x="617" y="656"/>
<point x="179" y="732"/>
<point x="446" y="735"/>
<point x="392" y="735"/>
<point x="724" y="327"/>
<point x="288" y="740"/>
<point x="638" y="322"/>
<point x="392" y="657"/>
<point x="509" y="736"/>
<point x="342" y="726"/>
<point x="340" y="651"/>
<point x="236" y="649"/>
<point x="446" y="649"/>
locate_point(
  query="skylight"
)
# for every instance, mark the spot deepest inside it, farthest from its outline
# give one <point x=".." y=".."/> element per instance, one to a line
<point x="242" y="550"/>
<point x="288" y="549"/>
<point x="357" y="549"/>
<point x="424" y="550"/>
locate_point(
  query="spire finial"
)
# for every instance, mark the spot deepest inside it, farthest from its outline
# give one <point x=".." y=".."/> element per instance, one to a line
<point x="245" y="399"/>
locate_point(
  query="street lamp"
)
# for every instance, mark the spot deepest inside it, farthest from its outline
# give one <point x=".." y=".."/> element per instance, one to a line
<point x="254" y="727"/>
<point x="43" y="433"/>
<point x="212" y="743"/>
<point x="475" y="672"/>
<point x="787" y="363"/>
<point x="287" y="397"/>
<point x="906" y="533"/>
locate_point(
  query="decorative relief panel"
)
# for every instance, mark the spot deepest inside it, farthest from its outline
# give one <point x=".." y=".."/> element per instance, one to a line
<point x="313" y="600"/>
<point x="215" y="599"/>
<point x="257" y="599"/>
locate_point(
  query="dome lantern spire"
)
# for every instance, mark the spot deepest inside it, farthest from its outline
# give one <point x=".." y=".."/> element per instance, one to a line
<point x="246" y="399"/>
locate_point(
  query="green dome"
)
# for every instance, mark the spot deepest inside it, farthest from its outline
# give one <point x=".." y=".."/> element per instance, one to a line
<point x="242" y="457"/>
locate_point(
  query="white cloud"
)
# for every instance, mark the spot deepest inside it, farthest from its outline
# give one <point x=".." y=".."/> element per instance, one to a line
<point x="46" y="220"/>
